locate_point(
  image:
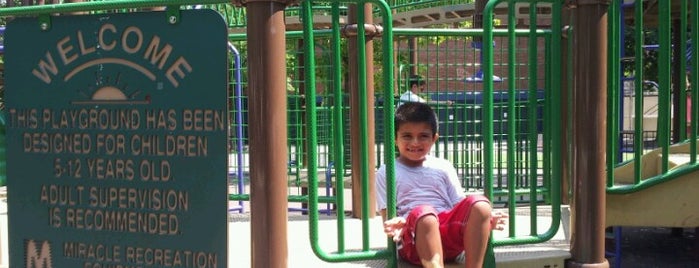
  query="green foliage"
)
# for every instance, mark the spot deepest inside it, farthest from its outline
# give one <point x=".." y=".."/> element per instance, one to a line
<point x="649" y="57"/>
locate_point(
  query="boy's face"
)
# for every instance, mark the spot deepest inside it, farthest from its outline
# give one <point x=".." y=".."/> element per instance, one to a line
<point x="414" y="141"/>
<point x="418" y="87"/>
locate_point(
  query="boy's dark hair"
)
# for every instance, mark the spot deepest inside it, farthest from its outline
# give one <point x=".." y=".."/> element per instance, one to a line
<point x="416" y="112"/>
<point x="415" y="79"/>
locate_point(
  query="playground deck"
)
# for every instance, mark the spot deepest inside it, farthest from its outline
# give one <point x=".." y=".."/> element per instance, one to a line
<point x="552" y="253"/>
<point x="642" y="246"/>
<point x="300" y="254"/>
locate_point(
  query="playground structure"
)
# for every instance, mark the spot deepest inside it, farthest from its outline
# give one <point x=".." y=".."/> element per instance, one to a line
<point x="626" y="209"/>
<point x="531" y="136"/>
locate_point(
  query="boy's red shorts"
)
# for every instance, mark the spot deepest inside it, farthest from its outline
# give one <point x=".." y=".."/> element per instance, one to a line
<point x="451" y="229"/>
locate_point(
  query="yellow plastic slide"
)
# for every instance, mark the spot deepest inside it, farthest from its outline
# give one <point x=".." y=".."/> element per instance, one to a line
<point x="674" y="203"/>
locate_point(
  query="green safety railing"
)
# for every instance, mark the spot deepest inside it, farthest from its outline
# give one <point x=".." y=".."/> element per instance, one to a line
<point x="674" y="59"/>
<point x="530" y="159"/>
<point x="326" y="135"/>
<point x="519" y="121"/>
<point x="341" y="254"/>
<point x="644" y="148"/>
<point x="551" y="140"/>
<point x="547" y="163"/>
<point x="547" y="160"/>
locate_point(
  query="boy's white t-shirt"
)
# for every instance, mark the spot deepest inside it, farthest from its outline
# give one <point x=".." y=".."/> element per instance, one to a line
<point x="434" y="183"/>
<point x="409" y="96"/>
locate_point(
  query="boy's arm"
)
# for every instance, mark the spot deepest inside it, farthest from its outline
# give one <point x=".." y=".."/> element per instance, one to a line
<point x="394" y="226"/>
<point x="438" y="102"/>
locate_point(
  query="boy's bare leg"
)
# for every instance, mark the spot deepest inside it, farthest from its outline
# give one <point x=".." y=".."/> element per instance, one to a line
<point x="428" y="242"/>
<point x="477" y="233"/>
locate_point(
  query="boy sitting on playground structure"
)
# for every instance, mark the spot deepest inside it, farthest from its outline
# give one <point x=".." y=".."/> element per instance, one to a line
<point x="416" y="85"/>
<point x="436" y="221"/>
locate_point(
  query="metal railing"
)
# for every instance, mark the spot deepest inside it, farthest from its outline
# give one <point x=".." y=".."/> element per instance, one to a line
<point x="524" y="158"/>
<point x="516" y="160"/>
<point x="523" y="150"/>
<point x="674" y="64"/>
<point x="506" y="165"/>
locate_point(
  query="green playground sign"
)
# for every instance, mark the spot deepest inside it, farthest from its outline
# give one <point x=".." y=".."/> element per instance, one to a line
<point x="116" y="140"/>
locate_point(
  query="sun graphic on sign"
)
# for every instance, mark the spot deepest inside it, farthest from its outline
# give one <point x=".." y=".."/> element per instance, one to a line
<point x="111" y="90"/>
<point x="109" y="93"/>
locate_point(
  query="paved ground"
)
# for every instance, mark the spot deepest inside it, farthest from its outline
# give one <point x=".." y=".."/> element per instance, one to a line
<point x="642" y="247"/>
<point x="651" y="247"/>
<point x="301" y="255"/>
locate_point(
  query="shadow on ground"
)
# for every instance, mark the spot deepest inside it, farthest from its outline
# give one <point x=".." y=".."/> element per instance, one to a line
<point x="651" y="247"/>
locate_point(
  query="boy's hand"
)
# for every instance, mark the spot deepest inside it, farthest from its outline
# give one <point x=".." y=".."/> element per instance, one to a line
<point x="497" y="220"/>
<point x="394" y="227"/>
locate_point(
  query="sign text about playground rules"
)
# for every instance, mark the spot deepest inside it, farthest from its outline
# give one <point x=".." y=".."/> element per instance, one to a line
<point x="116" y="140"/>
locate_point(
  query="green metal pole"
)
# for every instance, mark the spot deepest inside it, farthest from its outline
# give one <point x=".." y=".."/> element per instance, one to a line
<point x="664" y="64"/>
<point x="638" y="92"/>
<point x="615" y="95"/>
